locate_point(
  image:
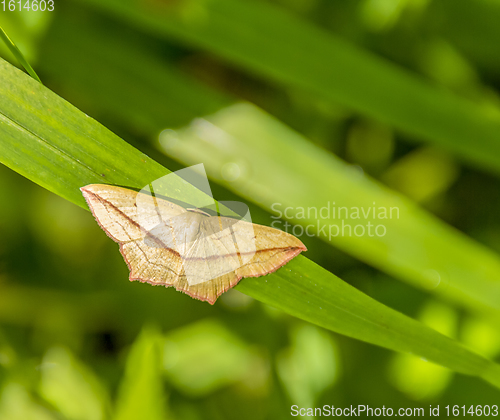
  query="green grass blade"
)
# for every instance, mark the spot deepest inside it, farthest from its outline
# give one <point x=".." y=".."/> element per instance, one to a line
<point x="18" y="54"/>
<point x="280" y="169"/>
<point x="135" y="84"/>
<point x="449" y="17"/>
<point x="71" y="387"/>
<point x="141" y="392"/>
<point x="270" y="42"/>
<point x="57" y="146"/>
<point x="335" y="305"/>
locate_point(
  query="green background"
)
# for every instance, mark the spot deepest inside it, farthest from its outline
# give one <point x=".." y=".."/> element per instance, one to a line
<point x="288" y="103"/>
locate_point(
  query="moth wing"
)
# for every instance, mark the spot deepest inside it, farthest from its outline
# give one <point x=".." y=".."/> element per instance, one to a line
<point x="158" y="266"/>
<point x="274" y="248"/>
<point x="212" y="254"/>
<point x="126" y="215"/>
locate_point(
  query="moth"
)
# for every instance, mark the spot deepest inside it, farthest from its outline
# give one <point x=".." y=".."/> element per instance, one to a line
<point x="201" y="255"/>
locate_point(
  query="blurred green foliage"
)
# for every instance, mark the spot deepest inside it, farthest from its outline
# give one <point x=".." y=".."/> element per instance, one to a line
<point x="367" y="80"/>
